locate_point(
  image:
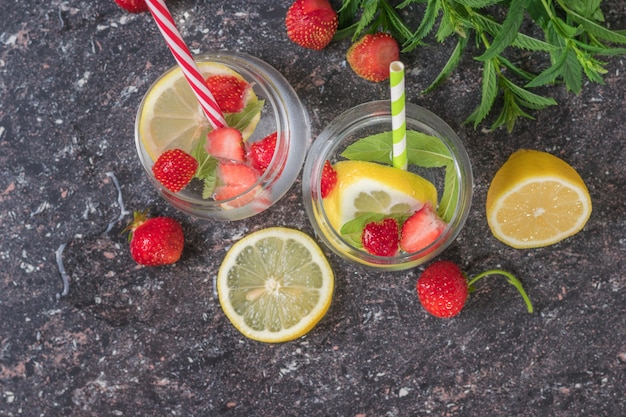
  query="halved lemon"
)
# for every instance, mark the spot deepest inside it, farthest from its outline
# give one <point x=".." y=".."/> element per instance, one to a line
<point x="364" y="187"/>
<point x="275" y="285"/>
<point x="171" y="116"/>
<point x="536" y="199"/>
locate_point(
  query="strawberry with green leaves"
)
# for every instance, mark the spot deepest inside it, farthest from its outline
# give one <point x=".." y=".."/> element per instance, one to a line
<point x="371" y="55"/>
<point x="443" y="288"/>
<point x="381" y="238"/>
<point x="155" y="241"/>
<point x="311" y="23"/>
<point x="174" y="169"/>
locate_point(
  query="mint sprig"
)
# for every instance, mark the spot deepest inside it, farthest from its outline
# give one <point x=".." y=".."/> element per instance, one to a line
<point x="422" y="150"/>
<point x="571" y="33"/>
<point x="207" y="168"/>
<point x="243" y="118"/>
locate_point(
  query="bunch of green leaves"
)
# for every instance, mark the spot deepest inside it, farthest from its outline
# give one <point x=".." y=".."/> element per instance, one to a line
<point x="423" y="151"/>
<point x="571" y="33"/>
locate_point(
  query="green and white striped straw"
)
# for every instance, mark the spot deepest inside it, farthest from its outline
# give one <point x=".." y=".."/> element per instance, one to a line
<point x="398" y="116"/>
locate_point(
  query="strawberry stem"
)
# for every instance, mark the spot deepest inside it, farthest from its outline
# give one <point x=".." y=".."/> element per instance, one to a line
<point x="511" y="280"/>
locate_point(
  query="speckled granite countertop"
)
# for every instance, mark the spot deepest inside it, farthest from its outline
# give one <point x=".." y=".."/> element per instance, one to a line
<point x="132" y="341"/>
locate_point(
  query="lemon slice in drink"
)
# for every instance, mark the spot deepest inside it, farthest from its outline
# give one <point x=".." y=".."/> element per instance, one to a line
<point x="171" y="116"/>
<point x="364" y="187"/>
<point x="275" y="285"/>
<point x="536" y="199"/>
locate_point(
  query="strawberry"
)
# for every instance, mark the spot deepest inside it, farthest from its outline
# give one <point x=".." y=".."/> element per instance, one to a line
<point x="381" y="238"/>
<point x="174" y="169"/>
<point x="329" y="179"/>
<point x="234" y="179"/>
<point x="133" y="6"/>
<point x="155" y="241"/>
<point x="311" y="23"/>
<point x="421" y="229"/>
<point x="371" y="55"/>
<point x="226" y="143"/>
<point x="228" y="91"/>
<point x="260" y="153"/>
<point x="443" y="288"/>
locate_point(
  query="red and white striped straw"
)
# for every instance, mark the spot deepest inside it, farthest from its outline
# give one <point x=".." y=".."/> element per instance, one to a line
<point x="179" y="49"/>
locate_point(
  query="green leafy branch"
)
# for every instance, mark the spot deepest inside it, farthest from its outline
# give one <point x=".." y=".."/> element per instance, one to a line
<point x="572" y="36"/>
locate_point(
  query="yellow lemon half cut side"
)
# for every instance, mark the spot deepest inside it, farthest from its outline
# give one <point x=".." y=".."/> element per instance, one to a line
<point x="536" y="199"/>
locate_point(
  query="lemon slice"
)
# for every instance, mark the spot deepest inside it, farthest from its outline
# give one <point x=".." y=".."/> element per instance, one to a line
<point x="536" y="199"/>
<point x="171" y="116"/>
<point x="275" y="285"/>
<point x="370" y="187"/>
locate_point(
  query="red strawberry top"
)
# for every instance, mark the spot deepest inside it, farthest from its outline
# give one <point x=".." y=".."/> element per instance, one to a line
<point x="229" y="92"/>
<point x="261" y="153"/>
<point x="442" y="289"/>
<point x="175" y="169"/>
<point x="371" y="55"/>
<point x="381" y="238"/>
<point x="311" y="23"/>
<point x="155" y="241"/>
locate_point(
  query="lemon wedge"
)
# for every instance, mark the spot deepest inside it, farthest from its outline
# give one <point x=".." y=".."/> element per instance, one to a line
<point x="275" y="285"/>
<point x="536" y="199"/>
<point x="364" y="187"/>
<point x="171" y="116"/>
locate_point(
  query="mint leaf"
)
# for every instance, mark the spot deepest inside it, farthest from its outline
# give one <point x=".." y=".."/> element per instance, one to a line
<point x="422" y="149"/>
<point x="207" y="168"/>
<point x="450" y="66"/>
<point x="450" y="195"/>
<point x="243" y="118"/>
<point x="508" y="32"/>
<point x="489" y="93"/>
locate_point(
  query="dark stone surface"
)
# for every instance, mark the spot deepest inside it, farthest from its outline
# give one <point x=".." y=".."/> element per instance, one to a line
<point x="130" y="341"/>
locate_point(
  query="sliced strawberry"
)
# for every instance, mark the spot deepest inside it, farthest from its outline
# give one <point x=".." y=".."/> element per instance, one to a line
<point x="234" y="179"/>
<point x="228" y="91"/>
<point x="329" y="179"/>
<point x="381" y="238"/>
<point x="371" y="55"/>
<point x="133" y="6"/>
<point x="421" y="229"/>
<point x="260" y="153"/>
<point x="174" y="169"/>
<point x="226" y="143"/>
<point x="311" y="23"/>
